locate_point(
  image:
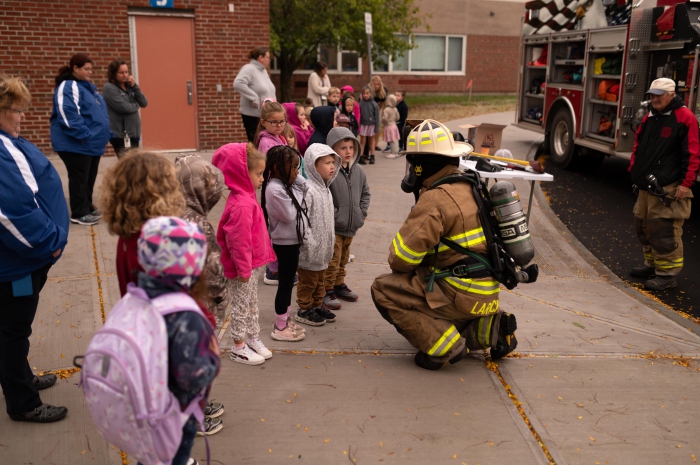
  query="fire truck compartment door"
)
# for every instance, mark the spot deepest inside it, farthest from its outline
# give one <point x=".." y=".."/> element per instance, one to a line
<point x="610" y="39"/>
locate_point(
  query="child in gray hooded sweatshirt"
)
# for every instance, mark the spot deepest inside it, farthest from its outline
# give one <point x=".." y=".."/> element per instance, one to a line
<point x="351" y="201"/>
<point x="321" y="164"/>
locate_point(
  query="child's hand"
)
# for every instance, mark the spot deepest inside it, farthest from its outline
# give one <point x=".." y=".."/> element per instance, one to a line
<point x="244" y="280"/>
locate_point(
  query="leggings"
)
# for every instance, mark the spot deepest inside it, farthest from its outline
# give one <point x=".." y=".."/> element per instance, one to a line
<point x="288" y="259"/>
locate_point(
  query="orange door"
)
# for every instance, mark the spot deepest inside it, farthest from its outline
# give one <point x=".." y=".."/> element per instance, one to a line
<point x="166" y="74"/>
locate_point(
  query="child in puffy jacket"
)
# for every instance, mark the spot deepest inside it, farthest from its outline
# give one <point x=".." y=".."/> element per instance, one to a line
<point x="390" y="116"/>
<point x="245" y="247"/>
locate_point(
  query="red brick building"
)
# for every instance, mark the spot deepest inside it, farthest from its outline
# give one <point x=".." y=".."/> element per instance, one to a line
<point x="467" y="40"/>
<point x="38" y="37"/>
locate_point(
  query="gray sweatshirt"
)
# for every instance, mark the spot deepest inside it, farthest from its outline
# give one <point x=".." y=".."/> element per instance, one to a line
<point x="254" y="85"/>
<point x="350" y="191"/>
<point x="317" y="251"/>
<point x="123" y="109"/>
<point x="282" y="213"/>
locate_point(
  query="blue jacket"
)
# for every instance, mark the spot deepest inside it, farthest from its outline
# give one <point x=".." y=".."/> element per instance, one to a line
<point x="33" y="211"/>
<point x="79" y="120"/>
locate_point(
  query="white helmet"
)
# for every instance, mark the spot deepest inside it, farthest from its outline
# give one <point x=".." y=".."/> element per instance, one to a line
<point x="433" y="137"/>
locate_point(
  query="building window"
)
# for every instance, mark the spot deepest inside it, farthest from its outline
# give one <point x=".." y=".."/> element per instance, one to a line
<point x="432" y="54"/>
<point x="339" y="61"/>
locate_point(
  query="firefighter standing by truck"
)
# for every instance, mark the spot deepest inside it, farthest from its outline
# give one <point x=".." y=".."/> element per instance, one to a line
<point x="447" y="314"/>
<point x="663" y="167"/>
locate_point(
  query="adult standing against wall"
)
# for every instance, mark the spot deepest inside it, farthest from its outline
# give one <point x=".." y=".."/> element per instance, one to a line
<point x="255" y="86"/>
<point x="33" y="233"/>
<point x="319" y="84"/>
<point x="79" y="134"/>
<point x="124" y="98"/>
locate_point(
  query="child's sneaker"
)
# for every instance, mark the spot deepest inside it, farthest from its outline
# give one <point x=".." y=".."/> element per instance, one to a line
<point x="326" y="314"/>
<point x="271" y="278"/>
<point x="344" y="292"/>
<point x="246" y="355"/>
<point x="214" y="410"/>
<point x="330" y="301"/>
<point x="258" y="346"/>
<point x="287" y="334"/>
<point x="309" y="317"/>
<point x="351" y="258"/>
<point x="211" y="426"/>
<point x="295" y="327"/>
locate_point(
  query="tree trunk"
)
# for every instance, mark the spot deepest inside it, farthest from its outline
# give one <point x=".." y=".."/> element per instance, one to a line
<point x="286" y="83"/>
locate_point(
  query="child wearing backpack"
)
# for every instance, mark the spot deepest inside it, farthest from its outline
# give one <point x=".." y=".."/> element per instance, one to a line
<point x="322" y="165"/>
<point x="246" y="247"/>
<point x="171" y="356"/>
<point x="351" y="196"/>
<point x="284" y="206"/>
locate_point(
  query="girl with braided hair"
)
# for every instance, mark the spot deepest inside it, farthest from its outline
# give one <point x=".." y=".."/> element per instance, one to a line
<point x="284" y="206"/>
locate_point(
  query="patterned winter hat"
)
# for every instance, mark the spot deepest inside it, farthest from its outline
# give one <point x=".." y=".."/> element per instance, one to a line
<point x="172" y="249"/>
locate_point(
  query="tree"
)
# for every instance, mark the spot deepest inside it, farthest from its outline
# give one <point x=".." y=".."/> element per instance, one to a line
<point x="299" y="27"/>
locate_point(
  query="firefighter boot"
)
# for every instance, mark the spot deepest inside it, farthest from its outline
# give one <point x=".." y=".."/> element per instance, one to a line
<point x="506" y="337"/>
<point x="643" y="271"/>
<point x="660" y="283"/>
<point x="428" y="362"/>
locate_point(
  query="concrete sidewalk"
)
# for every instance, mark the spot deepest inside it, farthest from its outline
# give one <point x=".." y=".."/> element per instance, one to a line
<point x="603" y="375"/>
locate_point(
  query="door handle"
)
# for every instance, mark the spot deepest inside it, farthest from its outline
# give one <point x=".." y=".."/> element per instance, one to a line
<point x="189" y="92"/>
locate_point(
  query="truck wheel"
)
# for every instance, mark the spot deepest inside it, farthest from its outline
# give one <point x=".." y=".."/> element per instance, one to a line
<point x="561" y="140"/>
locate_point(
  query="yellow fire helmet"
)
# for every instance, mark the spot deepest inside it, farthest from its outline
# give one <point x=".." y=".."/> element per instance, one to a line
<point x="433" y="137"/>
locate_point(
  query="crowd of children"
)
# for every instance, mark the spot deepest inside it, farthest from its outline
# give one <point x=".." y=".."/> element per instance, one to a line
<point x="314" y="199"/>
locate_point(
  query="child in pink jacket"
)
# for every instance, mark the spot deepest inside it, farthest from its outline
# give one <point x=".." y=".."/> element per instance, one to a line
<point x="245" y="247"/>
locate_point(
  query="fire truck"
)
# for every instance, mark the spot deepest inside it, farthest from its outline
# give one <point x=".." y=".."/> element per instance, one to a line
<point x="585" y="89"/>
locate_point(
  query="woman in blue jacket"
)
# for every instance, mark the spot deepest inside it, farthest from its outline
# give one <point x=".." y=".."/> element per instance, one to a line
<point x="33" y="233"/>
<point x="79" y="134"/>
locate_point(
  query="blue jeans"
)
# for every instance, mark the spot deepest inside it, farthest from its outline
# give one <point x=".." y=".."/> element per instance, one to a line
<point x="189" y="431"/>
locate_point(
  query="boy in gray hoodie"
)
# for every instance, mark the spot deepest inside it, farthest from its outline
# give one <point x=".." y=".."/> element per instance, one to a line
<point x="321" y="164"/>
<point x="351" y="201"/>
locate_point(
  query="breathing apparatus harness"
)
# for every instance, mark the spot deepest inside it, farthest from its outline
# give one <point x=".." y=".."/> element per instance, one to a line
<point x="498" y="263"/>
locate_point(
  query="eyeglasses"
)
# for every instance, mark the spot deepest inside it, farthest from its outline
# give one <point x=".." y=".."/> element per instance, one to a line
<point x="277" y="123"/>
<point x="19" y="112"/>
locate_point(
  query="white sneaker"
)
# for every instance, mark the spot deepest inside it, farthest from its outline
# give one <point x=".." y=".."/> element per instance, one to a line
<point x="258" y="346"/>
<point x="246" y="355"/>
<point x="352" y="258"/>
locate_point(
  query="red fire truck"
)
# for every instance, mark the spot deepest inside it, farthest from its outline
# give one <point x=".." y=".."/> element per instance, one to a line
<point x="585" y="89"/>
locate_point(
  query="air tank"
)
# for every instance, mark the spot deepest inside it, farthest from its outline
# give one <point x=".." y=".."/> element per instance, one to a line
<point x="512" y="223"/>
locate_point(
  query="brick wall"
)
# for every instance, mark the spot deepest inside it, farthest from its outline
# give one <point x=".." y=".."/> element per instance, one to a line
<point x="492" y="63"/>
<point x="38" y="37"/>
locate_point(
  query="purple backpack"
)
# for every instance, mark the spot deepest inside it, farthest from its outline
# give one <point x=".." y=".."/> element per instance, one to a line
<point x="125" y="378"/>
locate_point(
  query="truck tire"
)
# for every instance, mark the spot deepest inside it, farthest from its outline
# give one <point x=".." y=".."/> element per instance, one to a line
<point x="562" y="150"/>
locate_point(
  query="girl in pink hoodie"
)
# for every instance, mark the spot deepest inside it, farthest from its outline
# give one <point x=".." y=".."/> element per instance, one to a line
<point x="273" y="119"/>
<point x="245" y="247"/>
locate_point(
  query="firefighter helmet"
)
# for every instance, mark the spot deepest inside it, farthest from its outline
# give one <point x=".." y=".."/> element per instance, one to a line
<point x="433" y="138"/>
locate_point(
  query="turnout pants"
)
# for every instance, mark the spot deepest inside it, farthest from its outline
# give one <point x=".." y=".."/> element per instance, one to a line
<point x="440" y="323"/>
<point x="659" y="229"/>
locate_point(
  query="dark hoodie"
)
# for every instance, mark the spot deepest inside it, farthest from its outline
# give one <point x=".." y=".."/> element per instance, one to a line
<point x="322" y="118"/>
<point x="353" y="120"/>
<point x="202" y="185"/>
<point x="666" y="145"/>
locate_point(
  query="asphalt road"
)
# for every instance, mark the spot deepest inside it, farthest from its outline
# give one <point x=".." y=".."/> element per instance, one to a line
<point x="597" y="209"/>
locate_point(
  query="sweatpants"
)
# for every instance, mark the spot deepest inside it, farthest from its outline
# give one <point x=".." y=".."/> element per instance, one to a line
<point x="288" y="261"/>
<point x="310" y="288"/>
<point x="82" y="173"/>
<point x="659" y="228"/>
<point x="335" y="273"/>
<point x="16" y="318"/>
<point x="244" y="307"/>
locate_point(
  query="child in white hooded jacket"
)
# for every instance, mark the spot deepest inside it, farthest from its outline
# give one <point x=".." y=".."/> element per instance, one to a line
<point x="321" y="164"/>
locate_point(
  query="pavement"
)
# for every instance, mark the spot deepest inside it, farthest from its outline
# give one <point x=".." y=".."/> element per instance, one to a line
<point x="602" y="373"/>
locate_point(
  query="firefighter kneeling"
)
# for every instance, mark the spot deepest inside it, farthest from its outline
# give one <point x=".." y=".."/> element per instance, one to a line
<point x="442" y="294"/>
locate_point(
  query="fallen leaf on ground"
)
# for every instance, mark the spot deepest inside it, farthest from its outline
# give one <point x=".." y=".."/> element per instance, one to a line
<point x="381" y="444"/>
<point x="556" y="377"/>
<point x="83" y="452"/>
<point x="454" y="456"/>
<point x="591" y="438"/>
<point x="579" y="417"/>
<point x="326" y="440"/>
<point x="345" y="452"/>
<point x="262" y="419"/>
<point x="306" y="429"/>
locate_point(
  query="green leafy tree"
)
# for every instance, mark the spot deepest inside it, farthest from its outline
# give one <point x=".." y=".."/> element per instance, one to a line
<point x="299" y="27"/>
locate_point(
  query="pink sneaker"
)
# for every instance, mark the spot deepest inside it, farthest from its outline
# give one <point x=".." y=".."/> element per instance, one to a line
<point x="287" y="334"/>
<point x="295" y="327"/>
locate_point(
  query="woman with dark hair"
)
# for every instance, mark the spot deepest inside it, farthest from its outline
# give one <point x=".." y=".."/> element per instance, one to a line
<point x="319" y="84"/>
<point x="79" y="134"/>
<point x="33" y="233"/>
<point x="124" y="98"/>
<point x="255" y="86"/>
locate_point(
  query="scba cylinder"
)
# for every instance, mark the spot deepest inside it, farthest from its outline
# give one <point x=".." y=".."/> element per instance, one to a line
<point x="512" y="223"/>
